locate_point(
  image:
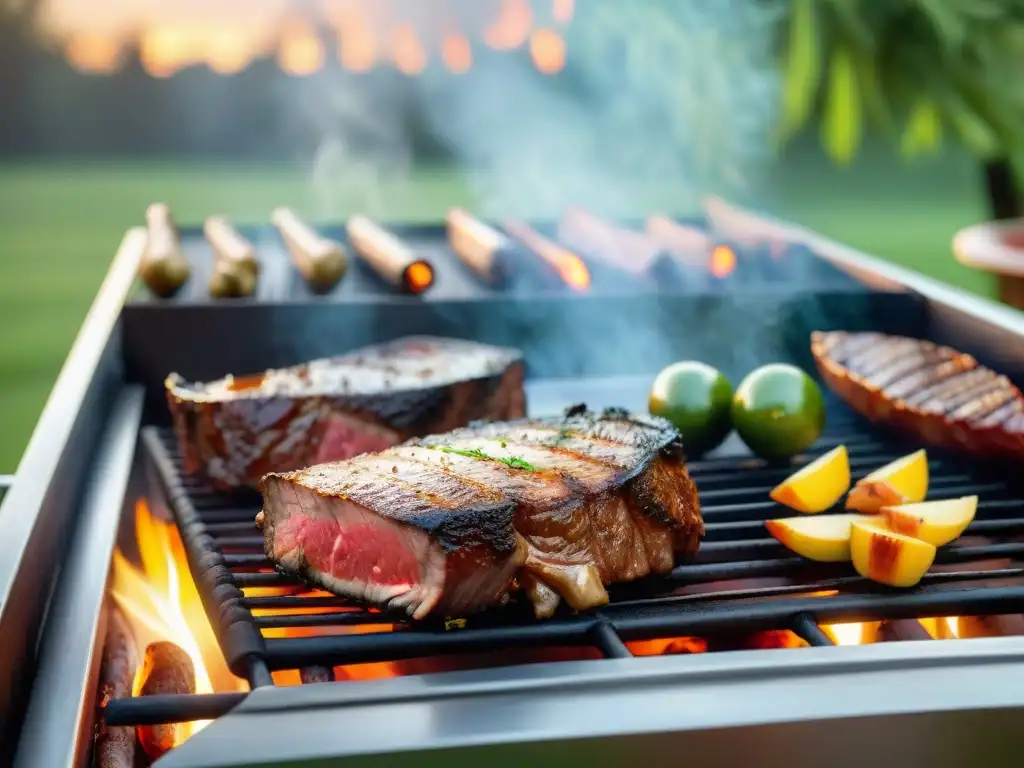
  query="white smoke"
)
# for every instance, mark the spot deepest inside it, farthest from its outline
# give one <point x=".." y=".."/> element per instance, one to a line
<point x="660" y="101"/>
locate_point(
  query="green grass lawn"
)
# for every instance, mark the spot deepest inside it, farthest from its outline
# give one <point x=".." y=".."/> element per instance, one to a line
<point x="60" y="225"/>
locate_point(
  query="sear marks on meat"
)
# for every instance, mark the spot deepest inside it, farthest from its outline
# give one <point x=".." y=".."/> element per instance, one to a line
<point x="238" y="429"/>
<point x="940" y="396"/>
<point x="452" y="523"/>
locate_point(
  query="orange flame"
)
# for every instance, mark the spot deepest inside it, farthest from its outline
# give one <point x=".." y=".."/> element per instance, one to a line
<point x="161" y="602"/>
<point x="943" y="628"/>
<point x="723" y="261"/>
<point x="547" y="49"/>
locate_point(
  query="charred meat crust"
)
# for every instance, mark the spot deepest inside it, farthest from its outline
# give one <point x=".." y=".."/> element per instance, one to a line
<point x="563" y="505"/>
<point x="943" y="397"/>
<point x="489" y="522"/>
<point x="235" y="430"/>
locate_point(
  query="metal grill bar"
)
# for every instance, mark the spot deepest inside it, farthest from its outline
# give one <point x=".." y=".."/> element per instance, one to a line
<point x="710" y="595"/>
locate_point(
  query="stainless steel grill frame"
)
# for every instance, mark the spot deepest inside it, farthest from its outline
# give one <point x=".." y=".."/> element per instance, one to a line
<point x="912" y="702"/>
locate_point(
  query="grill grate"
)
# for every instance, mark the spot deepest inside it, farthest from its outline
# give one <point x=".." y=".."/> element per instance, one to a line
<point x="707" y="596"/>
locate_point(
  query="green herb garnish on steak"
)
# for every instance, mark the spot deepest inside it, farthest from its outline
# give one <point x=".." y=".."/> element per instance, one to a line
<point x="475" y="453"/>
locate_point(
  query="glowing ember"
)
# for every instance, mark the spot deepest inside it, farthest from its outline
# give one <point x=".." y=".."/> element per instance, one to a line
<point x="845" y="634"/>
<point x="667" y="646"/>
<point x="161" y="603"/>
<point x="420" y="276"/>
<point x="723" y="261"/>
<point x="567" y="264"/>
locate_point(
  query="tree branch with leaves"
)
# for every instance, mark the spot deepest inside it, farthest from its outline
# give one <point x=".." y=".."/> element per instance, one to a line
<point x="916" y="70"/>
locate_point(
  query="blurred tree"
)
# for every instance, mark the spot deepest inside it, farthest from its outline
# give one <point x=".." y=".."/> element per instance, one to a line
<point x="16" y="54"/>
<point x="917" y="70"/>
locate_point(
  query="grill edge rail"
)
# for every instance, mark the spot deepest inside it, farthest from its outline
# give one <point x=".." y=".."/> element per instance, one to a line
<point x="209" y="523"/>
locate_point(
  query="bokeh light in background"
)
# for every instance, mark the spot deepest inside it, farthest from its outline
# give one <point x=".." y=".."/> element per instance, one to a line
<point x="228" y="35"/>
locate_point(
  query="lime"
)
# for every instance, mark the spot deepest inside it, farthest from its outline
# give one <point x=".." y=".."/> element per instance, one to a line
<point x="778" y="411"/>
<point x="696" y="398"/>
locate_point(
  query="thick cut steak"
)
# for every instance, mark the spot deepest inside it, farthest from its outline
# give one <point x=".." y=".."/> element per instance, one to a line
<point x="454" y="522"/>
<point x="939" y="396"/>
<point x="238" y="429"/>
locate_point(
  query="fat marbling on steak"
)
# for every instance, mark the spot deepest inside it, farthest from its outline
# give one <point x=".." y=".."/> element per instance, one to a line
<point x="237" y="429"/>
<point x="452" y="523"/>
<point x="936" y="394"/>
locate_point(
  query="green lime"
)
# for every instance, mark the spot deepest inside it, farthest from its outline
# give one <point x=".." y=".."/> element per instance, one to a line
<point x="696" y="398"/>
<point x="778" y="410"/>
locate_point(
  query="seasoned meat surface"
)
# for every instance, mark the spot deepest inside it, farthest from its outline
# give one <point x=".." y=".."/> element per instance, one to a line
<point x="940" y="396"/>
<point x="453" y="522"/>
<point x="237" y="429"/>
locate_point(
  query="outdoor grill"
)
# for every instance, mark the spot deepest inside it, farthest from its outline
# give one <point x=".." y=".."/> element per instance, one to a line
<point x="730" y="658"/>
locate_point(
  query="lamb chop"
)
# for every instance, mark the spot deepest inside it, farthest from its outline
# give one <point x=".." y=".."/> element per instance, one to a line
<point x="236" y="430"/>
<point x="936" y="394"/>
<point x="450" y="524"/>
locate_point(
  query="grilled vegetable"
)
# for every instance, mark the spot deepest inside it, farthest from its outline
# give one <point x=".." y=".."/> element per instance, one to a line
<point x="936" y="394"/>
<point x="937" y="522"/>
<point x="235" y="267"/>
<point x="898" y="482"/>
<point x="888" y="557"/>
<point x="819" y="485"/>
<point x="322" y="262"/>
<point x="778" y="411"/>
<point x="163" y="269"/>
<point x="697" y="399"/>
<point x="823" y="538"/>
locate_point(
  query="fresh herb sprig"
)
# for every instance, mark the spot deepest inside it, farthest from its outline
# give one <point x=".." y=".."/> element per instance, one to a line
<point x="475" y="453"/>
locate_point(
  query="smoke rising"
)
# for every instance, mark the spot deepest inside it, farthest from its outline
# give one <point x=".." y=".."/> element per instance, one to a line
<point x="660" y="102"/>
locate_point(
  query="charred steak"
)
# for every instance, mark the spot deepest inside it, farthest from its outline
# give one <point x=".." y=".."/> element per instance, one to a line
<point x="452" y="523"/>
<point x="236" y="430"/>
<point x="939" y="396"/>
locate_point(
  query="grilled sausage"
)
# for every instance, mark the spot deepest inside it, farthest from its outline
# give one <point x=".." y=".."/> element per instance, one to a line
<point x="163" y="268"/>
<point x="388" y="256"/>
<point x="322" y="262"/>
<point x="235" y="267"/>
<point x="483" y="249"/>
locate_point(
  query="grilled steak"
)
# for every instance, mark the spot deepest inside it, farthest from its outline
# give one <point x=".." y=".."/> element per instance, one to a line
<point x="236" y="430"/>
<point x="452" y="523"/>
<point x="940" y="396"/>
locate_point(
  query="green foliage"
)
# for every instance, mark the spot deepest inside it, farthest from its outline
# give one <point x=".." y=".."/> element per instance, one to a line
<point x="919" y="70"/>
